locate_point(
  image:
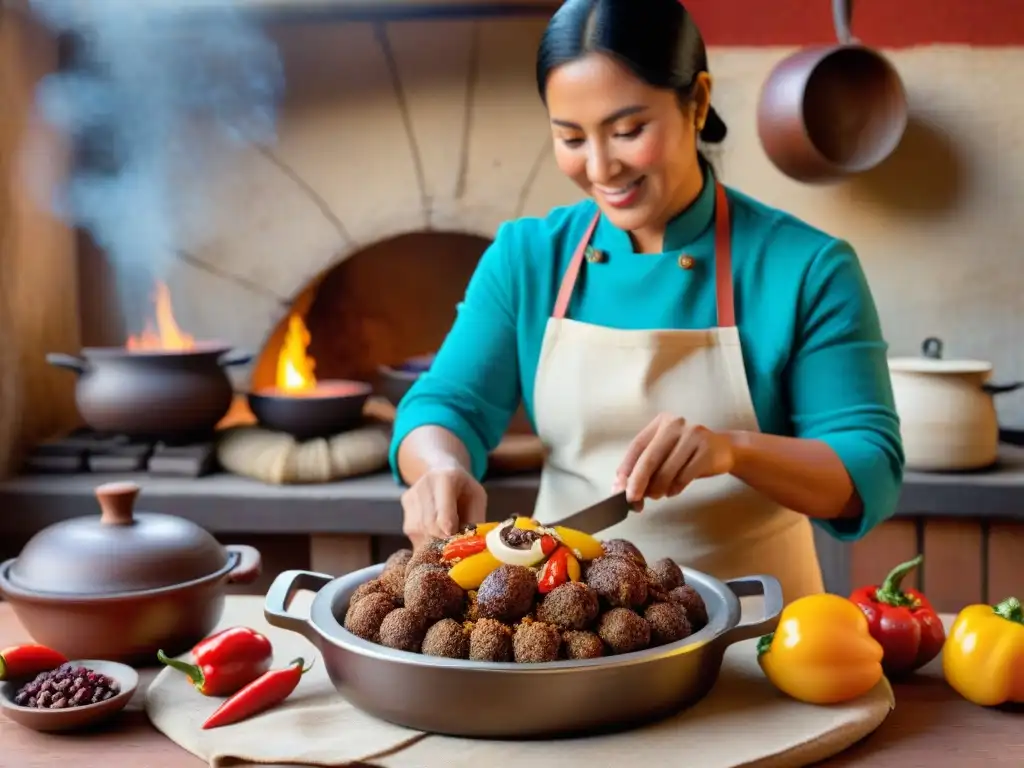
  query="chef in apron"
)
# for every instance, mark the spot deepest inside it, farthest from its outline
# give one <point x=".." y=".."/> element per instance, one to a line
<point x="717" y="358"/>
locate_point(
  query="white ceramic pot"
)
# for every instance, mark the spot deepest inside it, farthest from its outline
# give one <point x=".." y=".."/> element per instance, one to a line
<point x="947" y="412"/>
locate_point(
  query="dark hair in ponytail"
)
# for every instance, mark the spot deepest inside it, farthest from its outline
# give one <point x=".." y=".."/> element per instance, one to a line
<point x="657" y="40"/>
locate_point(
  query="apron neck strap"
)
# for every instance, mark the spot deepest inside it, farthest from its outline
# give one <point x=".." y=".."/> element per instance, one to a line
<point x="723" y="264"/>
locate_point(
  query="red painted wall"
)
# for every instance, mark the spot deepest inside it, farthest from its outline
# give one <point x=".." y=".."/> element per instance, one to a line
<point x="879" y="23"/>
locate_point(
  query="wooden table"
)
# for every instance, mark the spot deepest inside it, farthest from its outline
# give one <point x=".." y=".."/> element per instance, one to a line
<point x="931" y="726"/>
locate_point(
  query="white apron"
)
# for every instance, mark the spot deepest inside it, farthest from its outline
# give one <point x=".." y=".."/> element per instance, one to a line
<point x="597" y="388"/>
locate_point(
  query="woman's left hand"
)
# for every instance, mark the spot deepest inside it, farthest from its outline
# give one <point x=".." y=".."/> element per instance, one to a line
<point x="668" y="455"/>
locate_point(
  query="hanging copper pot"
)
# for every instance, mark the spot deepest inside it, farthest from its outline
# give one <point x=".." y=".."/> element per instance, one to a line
<point x="830" y="111"/>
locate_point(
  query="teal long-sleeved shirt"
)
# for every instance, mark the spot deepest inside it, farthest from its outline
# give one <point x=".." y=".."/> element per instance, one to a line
<point x="812" y="342"/>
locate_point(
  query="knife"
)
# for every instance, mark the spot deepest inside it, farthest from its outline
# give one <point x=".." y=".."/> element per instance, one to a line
<point x="598" y="517"/>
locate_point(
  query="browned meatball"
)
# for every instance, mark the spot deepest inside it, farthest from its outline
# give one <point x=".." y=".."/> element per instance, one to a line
<point x="432" y="593"/>
<point x="507" y="593"/>
<point x="582" y="645"/>
<point x="447" y="638"/>
<point x="668" y="623"/>
<point x="536" y="642"/>
<point x="624" y="548"/>
<point x="398" y="560"/>
<point x="366" y="588"/>
<point x="365" y="617"/>
<point x="393" y="584"/>
<point x="428" y="554"/>
<point x="691" y="601"/>
<point x="618" y="581"/>
<point x="403" y="630"/>
<point x="490" y="640"/>
<point x="667" y="574"/>
<point x="624" y="631"/>
<point x="570" y="606"/>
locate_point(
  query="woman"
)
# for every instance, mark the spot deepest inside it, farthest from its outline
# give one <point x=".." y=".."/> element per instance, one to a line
<point x="711" y="355"/>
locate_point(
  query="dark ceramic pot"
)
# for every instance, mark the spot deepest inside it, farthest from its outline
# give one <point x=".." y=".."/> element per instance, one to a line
<point x="153" y="394"/>
<point x="394" y="381"/>
<point x="123" y="585"/>
<point x="332" y="408"/>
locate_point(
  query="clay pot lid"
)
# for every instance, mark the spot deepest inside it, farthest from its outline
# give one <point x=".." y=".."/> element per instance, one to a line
<point x="118" y="551"/>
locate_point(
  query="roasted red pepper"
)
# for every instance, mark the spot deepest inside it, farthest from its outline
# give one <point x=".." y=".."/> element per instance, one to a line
<point x="555" y="571"/>
<point x="258" y="696"/>
<point x="463" y="547"/>
<point x="28" y="660"/>
<point x="226" y="661"/>
<point x="902" y="621"/>
<point x="548" y="544"/>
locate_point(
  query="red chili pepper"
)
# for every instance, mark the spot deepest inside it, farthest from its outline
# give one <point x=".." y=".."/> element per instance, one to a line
<point x="225" y="661"/>
<point x="555" y="571"/>
<point x="548" y="544"/>
<point x="463" y="547"/>
<point x="28" y="660"/>
<point x="902" y="621"/>
<point x="259" y="695"/>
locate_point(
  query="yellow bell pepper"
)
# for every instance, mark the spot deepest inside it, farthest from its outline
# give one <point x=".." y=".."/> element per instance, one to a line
<point x="526" y="524"/>
<point x="983" y="657"/>
<point x="482" y="529"/>
<point x="821" y="652"/>
<point x="587" y="546"/>
<point x="572" y="566"/>
<point x="471" y="572"/>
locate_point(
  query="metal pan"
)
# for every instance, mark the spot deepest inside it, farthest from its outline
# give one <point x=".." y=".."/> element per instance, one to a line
<point x="509" y="700"/>
<point x="830" y="111"/>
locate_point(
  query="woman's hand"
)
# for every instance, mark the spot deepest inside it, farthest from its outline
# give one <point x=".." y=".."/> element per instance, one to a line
<point x="668" y="455"/>
<point x="440" y="502"/>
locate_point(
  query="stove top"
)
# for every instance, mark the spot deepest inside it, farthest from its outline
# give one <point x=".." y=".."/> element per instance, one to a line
<point x="87" y="451"/>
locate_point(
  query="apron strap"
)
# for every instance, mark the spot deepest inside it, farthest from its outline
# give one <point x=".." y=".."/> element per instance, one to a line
<point x="723" y="264"/>
<point x="723" y="260"/>
<point x="569" y="281"/>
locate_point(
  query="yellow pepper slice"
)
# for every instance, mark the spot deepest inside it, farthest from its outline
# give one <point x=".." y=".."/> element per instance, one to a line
<point x="482" y="529"/>
<point x="587" y="546"/>
<point x="572" y="567"/>
<point x="526" y="524"/>
<point x="822" y="651"/>
<point x="471" y="572"/>
<point x="983" y="657"/>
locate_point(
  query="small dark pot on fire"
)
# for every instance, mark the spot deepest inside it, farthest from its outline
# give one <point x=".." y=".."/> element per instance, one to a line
<point x="326" y="409"/>
<point x="166" y="395"/>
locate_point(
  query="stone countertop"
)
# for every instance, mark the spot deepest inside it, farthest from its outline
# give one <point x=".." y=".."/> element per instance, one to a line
<point x="931" y="725"/>
<point x="225" y="503"/>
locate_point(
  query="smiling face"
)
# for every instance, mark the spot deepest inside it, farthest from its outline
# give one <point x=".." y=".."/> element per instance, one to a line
<point x="629" y="145"/>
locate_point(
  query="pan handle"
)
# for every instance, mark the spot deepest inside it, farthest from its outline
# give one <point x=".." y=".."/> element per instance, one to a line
<point x="275" y="608"/>
<point x="842" y="19"/>
<point x="70" y="362"/>
<point x="235" y="357"/>
<point x="753" y="586"/>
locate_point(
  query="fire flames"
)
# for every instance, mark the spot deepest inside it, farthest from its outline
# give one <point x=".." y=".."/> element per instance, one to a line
<point x="295" y="367"/>
<point x="165" y="335"/>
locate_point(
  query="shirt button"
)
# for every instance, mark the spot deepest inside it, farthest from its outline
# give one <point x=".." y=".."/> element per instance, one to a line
<point x="686" y="261"/>
<point x="595" y="256"/>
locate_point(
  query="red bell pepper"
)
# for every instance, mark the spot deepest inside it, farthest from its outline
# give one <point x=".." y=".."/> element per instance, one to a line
<point x="28" y="660"/>
<point x="226" y="661"/>
<point x="463" y="547"/>
<point x="555" y="571"/>
<point x="258" y="696"/>
<point x="902" y="621"/>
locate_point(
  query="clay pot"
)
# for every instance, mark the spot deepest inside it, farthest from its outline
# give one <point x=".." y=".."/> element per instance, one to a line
<point x="947" y="412"/>
<point x="173" y="396"/>
<point x="332" y="408"/>
<point x="830" y="111"/>
<point x="125" y="584"/>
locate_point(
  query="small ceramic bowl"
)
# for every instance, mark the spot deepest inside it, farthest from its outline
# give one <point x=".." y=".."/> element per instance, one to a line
<point x="54" y="720"/>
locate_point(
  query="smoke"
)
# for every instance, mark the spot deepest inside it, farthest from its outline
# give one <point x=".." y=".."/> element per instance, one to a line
<point x="152" y="95"/>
